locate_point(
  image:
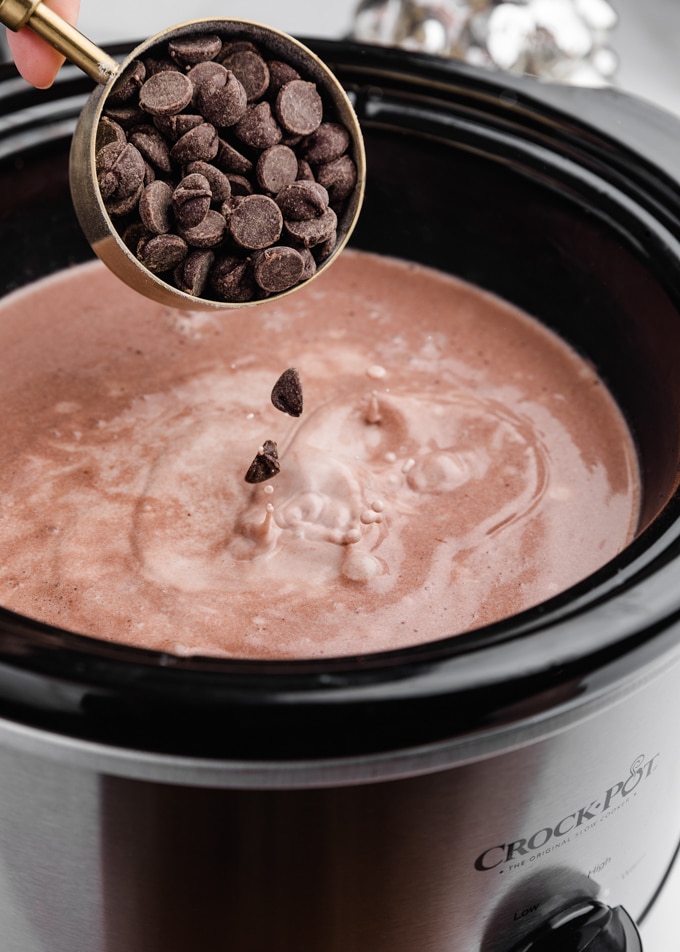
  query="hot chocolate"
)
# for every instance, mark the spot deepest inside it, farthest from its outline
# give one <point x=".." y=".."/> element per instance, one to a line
<point x="455" y="463"/>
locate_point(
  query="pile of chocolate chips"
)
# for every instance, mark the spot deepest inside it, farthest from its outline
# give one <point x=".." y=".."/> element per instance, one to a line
<point x="223" y="169"/>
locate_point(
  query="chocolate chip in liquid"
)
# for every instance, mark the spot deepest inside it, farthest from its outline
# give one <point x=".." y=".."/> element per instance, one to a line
<point x="246" y="125"/>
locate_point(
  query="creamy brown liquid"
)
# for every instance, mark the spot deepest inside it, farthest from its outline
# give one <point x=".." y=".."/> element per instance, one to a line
<point x="455" y="463"/>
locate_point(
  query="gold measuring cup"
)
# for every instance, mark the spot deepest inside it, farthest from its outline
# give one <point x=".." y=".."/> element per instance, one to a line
<point x="92" y="214"/>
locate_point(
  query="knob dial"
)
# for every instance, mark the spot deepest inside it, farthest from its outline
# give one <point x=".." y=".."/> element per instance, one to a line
<point x="585" y="926"/>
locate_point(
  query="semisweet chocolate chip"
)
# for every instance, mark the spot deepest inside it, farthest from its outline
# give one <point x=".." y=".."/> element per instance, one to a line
<point x="339" y="177"/>
<point x="128" y="84"/>
<point x="208" y="233"/>
<point x="305" y="173"/>
<point x="155" y="207"/>
<point x="188" y="50"/>
<point x="309" y="263"/>
<point x="204" y="72"/>
<point x="280" y="74"/>
<point x="159" y="64"/>
<point x="287" y="393"/>
<point x="277" y="269"/>
<point x="256" y="222"/>
<point x="276" y="168"/>
<point x="299" y="108"/>
<point x="166" y="93"/>
<point x="314" y="231"/>
<point x="162" y="252"/>
<point x="330" y="141"/>
<point x="126" y="116"/>
<point x="174" y="127"/>
<point x="232" y="279"/>
<point x="221" y="164"/>
<point x="191" y="200"/>
<point x="109" y="132"/>
<point x="230" y="159"/>
<point x="219" y="183"/>
<point x="120" y="171"/>
<point x="258" y="128"/>
<point x="301" y="201"/>
<point x="222" y="99"/>
<point x="149" y="141"/>
<point x="191" y="275"/>
<point x="251" y="71"/>
<point x="117" y="207"/>
<point x="265" y="465"/>
<point x="199" y="143"/>
<point x="239" y="185"/>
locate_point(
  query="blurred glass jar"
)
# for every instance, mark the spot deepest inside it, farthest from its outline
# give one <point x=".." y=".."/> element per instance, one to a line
<point x="560" y="40"/>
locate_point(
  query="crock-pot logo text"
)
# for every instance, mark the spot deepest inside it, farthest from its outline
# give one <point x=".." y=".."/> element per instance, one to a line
<point x="611" y="799"/>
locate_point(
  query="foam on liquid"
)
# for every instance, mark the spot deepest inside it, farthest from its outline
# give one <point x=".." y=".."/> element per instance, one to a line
<point x="455" y="464"/>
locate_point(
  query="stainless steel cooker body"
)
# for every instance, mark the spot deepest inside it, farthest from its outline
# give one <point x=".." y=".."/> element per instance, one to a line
<point x="458" y="795"/>
<point x="463" y="845"/>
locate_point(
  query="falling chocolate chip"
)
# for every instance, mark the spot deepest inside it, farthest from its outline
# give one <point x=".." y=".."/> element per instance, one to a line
<point x="265" y="465"/>
<point x="287" y="393"/>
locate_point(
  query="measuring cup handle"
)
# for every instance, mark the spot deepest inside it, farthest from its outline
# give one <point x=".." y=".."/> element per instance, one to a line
<point x="16" y="14"/>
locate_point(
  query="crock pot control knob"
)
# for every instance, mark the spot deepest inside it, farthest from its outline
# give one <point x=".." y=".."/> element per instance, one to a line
<point x="585" y="926"/>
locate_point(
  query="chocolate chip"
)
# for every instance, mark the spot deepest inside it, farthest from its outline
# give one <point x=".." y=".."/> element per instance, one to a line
<point x="256" y="222"/>
<point x="276" y="168"/>
<point x="251" y="70"/>
<point x="191" y="275"/>
<point x="199" y="143"/>
<point x="222" y="100"/>
<point x="155" y="207"/>
<point x="277" y="269"/>
<point x="126" y="116"/>
<point x="208" y="233"/>
<point x="153" y="146"/>
<point x="230" y="159"/>
<point x="258" y="128"/>
<point x="219" y="183"/>
<point x="109" y="132"/>
<point x="287" y="393"/>
<point x="166" y="93"/>
<point x="191" y="200"/>
<point x="299" y="107"/>
<point x="330" y="141"/>
<point x="162" y="252"/>
<point x="339" y="177"/>
<point x="315" y="230"/>
<point x="159" y="64"/>
<point x="120" y="171"/>
<point x="188" y="50"/>
<point x="174" y="127"/>
<point x="265" y="465"/>
<point x="124" y="205"/>
<point x="301" y="201"/>
<point x="204" y="72"/>
<point x="239" y="185"/>
<point x="309" y="263"/>
<point x="305" y="173"/>
<point x="195" y="144"/>
<point x="128" y="84"/>
<point x="280" y="74"/>
<point x="232" y="280"/>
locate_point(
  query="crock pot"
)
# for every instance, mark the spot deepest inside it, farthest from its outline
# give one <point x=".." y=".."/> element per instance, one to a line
<point x="515" y="787"/>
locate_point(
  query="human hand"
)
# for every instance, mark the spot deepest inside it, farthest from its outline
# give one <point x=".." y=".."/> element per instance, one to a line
<point x="35" y="59"/>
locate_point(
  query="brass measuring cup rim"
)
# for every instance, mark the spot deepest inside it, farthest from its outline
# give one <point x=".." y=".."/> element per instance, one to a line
<point x="100" y="231"/>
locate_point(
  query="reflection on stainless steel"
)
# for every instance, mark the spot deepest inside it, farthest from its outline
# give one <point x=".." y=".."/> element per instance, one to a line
<point x="560" y="40"/>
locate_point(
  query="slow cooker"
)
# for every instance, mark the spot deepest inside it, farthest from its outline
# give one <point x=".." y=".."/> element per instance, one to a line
<point x="513" y="788"/>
